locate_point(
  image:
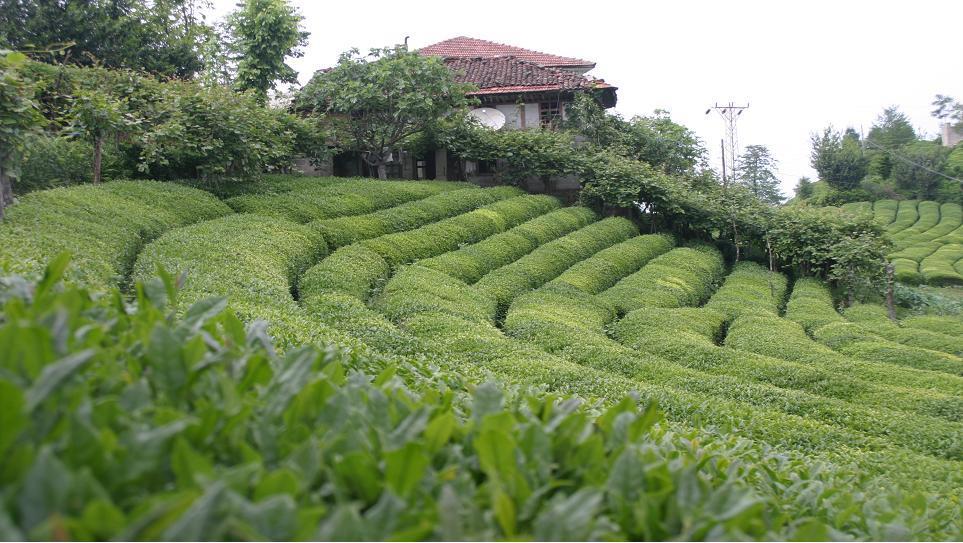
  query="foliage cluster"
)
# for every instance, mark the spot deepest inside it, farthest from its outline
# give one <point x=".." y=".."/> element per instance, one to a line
<point x="380" y="101"/>
<point x="104" y="226"/>
<point x="218" y="469"/>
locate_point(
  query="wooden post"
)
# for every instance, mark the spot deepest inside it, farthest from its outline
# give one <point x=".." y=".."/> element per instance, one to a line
<point x="98" y="158"/>
<point x="890" y="295"/>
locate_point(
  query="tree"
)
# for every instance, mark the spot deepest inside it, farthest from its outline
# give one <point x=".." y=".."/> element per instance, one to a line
<point x="656" y="139"/>
<point x="160" y="36"/>
<point x="263" y="34"/>
<point x="948" y="109"/>
<point x="891" y="130"/>
<point x="838" y="159"/>
<point x="382" y="99"/>
<point x="19" y="116"/>
<point x="757" y="172"/>
<point x="96" y="116"/>
<point x="918" y="167"/>
<point x="804" y="188"/>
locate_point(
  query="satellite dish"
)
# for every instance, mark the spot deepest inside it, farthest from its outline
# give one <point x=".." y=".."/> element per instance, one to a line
<point x="488" y="117"/>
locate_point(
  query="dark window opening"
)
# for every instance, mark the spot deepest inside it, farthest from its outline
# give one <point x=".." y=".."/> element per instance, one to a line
<point x="549" y="114"/>
<point x="486" y="166"/>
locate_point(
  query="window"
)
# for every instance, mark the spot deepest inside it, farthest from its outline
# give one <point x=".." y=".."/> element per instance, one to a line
<point x="549" y="114"/>
<point x="486" y="166"/>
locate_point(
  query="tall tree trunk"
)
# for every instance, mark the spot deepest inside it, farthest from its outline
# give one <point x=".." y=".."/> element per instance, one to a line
<point x="6" y="191"/>
<point x="98" y="158"/>
<point x="890" y="296"/>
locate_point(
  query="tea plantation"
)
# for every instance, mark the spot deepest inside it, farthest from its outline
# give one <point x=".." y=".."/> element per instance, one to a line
<point x="355" y="359"/>
<point x="927" y="238"/>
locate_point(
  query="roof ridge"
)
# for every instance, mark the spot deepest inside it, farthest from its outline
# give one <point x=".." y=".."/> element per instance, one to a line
<point x="571" y="61"/>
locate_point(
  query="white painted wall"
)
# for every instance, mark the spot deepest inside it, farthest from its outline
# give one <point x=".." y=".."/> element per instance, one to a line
<point x="513" y="118"/>
<point x="531" y="116"/>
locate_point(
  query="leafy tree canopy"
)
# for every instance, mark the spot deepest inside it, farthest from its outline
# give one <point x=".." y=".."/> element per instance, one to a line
<point x="263" y="34"/>
<point x="383" y="99"/>
<point x="891" y="130"/>
<point x="160" y="36"/>
<point x="838" y="158"/>
<point x="757" y="172"/>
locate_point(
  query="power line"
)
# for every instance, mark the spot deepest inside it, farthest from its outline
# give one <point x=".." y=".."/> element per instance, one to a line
<point x="908" y="161"/>
<point x="730" y="115"/>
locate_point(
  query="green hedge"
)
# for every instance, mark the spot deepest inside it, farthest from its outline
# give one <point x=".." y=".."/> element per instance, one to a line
<point x="851" y="339"/>
<point x="928" y="215"/>
<point x="884" y="211"/>
<point x="253" y="260"/>
<point x="811" y="305"/>
<point x="347" y="230"/>
<point x="680" y="277"/>
<point x="608" y="266"/>
<point x="874" y="319"/>
<point x="939" y="268"/>
<point x="906" y="216"/>
<point x="472" y="262"/>
<point x="198" y="430"/>
<point x="749" y="289"/>
<point x="416" y="289"/>
<point x="717" y="371"/>
<point x="944" y="325"/>
<point x="356" y="269"/>
<point x="307" y="202"/>
<point x="102" y="226"/>
<point x="551" y="259"/>
<point x="816" y="368"/>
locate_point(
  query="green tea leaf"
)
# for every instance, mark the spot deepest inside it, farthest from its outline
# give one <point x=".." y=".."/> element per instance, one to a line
<point x="405" y="467"/>
<point x="54" y="375"/>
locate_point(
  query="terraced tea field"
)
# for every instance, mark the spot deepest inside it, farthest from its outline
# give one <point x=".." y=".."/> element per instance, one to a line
<point x="928" y="238"/>
<point x="835" y="424"/>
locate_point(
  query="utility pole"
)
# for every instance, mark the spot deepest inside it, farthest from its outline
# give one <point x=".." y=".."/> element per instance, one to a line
<point x="730" y="115"/>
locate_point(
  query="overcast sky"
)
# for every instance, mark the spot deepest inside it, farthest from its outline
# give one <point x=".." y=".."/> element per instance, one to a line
<point x="800" y="65"/>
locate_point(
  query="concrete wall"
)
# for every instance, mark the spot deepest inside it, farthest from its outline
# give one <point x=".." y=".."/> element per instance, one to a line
<point x="324" y="169"/>
<point x="513" y="117"/>
<point x="951" y="136"/>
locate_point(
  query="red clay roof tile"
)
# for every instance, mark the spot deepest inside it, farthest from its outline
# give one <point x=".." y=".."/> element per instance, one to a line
<point x="465" y="47"/>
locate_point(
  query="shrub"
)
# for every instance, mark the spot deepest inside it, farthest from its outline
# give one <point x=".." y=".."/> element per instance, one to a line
<point x="351" y="270"/>
<point x="680" y="277"/>
<point x="245" y="441"/>
<point x="884" y="211"/>
<point x="449" y="234"/>
<point x="50" y="162"/>
<point x="551" y="259"/>
<point x="811" y="305"/>
<point x="906" y="216"/>
<point x="850" y="339"/>
<point x="606" y="267"/>
<point x="749" y="289"/>
<point x="472" y="262"/>
<point x="939" y="267"/>
<point x="346" y="230"/>
<point x="943" y="325"/>
<point x="103" y="226"/>
<point x="251" y="259"/>
<point x="416" y="289"/>
<point x="906" y="270"/>
<point x="322" y="200"/>
<point x="356" y="269"/>
<point x="874" y="319"/>
<point x="820" y="370"/>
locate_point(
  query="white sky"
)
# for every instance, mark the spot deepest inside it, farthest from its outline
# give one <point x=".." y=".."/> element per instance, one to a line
<point x="800" y="65"/>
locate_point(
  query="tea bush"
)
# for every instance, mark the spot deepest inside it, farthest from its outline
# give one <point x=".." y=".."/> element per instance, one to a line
<point x="103" y="225"/>
<point x="680" y="277"/>
<point x="197" y="430"/>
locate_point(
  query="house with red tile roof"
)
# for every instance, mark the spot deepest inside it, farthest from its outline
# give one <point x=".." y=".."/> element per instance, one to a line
<point x="526" y="88"/>
<point x="530" y="88"/>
